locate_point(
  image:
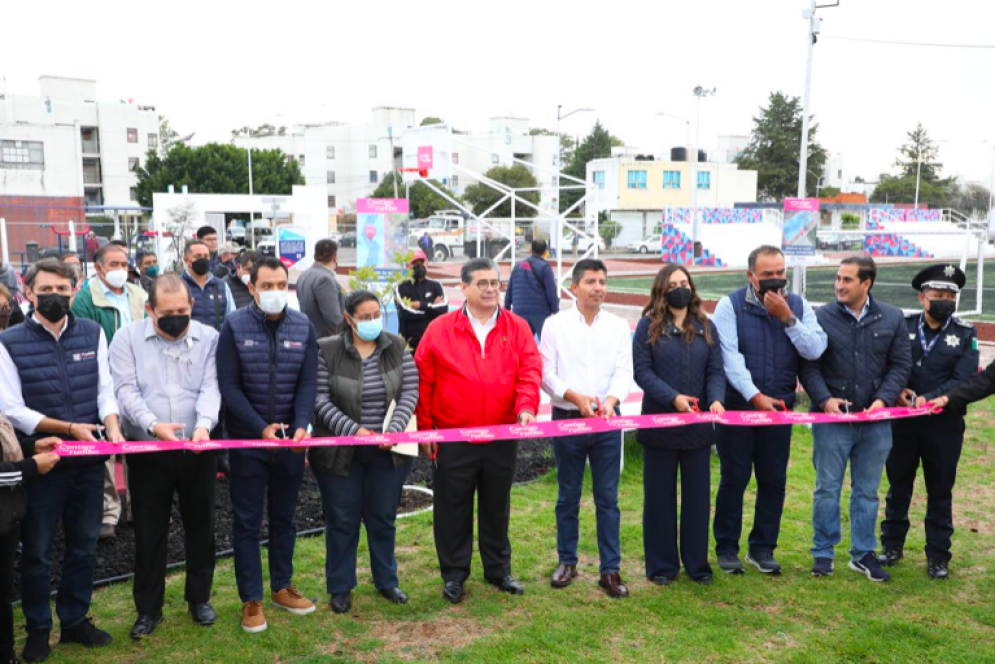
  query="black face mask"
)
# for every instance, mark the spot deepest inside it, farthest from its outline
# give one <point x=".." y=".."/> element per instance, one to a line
<point x="941" y="310"/>
<point x="679" y="298"/>
<point x="173" y="325"/>
<point x="419" y="271"/>
<point x="771" y="285"/>
<point x="200" y="266"/>
<point x="52" y="306"/>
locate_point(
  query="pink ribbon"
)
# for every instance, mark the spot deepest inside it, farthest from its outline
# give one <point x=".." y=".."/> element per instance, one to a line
<point x="484" y="434"/>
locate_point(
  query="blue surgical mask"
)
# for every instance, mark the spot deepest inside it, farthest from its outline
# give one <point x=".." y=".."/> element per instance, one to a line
<point x="369" y="330"/>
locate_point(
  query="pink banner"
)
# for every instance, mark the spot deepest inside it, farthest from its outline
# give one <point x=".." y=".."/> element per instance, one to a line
<point x="801" y="204"/>
<point x="551" y="429"/>
<point x="381" y="205"/>
<point x="425" y="157"/>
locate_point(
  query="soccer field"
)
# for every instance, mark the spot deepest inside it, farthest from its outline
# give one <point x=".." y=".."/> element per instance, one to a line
<point x="893" y="284"/>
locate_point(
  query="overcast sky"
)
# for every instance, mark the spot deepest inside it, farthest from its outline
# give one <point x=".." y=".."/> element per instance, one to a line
<point x="212" y="66"/>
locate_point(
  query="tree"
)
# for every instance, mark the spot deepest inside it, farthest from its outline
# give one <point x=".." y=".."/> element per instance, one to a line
<point x="431" y="120"/>
<point x="893" y="189"/>
<point x="774" y="146"/>
<point x="167" y="136"/>
<point x="422" y="201"/>
<point x="919" y="148"/>
<point x="259" y="132"/>
<point x="216" y="169"/>
<point x="596" y="145"/>
<point x="829" y="192"/>
<point x="971" y="200"/>
<point x="608" y="228"/>
<point x="481" y="197"/>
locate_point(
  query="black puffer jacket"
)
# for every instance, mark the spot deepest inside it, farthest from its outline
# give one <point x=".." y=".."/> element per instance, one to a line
<point x="864" y="362"/>
<point x="670" y="367"/>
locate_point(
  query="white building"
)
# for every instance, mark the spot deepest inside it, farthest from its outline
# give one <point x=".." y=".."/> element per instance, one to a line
<point x="64" y="143"/>
<point x="351" y="160"/>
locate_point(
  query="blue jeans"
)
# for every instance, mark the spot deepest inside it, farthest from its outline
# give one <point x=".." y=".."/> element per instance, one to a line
<point x="74" y="497"/>
<point x="255" y="476"/>
<point x="370" y="493"/>
<point x="572" y="452"/>
<point x="866" y="447"/>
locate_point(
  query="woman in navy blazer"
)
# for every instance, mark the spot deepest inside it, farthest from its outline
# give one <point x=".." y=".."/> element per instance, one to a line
<point x="677" y="362"/>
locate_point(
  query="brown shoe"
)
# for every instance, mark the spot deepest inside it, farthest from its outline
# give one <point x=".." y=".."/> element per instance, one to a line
<point x="291" y="600"/>
<point x="612" y="583"/>
<point x="563" y="575"/>
<point x="253" y="619"/>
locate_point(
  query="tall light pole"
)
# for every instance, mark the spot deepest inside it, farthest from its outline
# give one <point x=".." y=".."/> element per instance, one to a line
<point x="699" y="92"/>
<point x="560" y="115"/>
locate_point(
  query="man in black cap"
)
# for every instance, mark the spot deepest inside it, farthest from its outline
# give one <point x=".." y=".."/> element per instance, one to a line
<point x="944" y="355"/>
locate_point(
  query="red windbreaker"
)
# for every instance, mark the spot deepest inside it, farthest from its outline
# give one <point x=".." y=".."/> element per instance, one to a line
<point x="459" y="388"/>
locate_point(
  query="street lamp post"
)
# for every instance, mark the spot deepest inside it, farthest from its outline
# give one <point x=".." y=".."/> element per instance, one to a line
<point x="699" y="92"/>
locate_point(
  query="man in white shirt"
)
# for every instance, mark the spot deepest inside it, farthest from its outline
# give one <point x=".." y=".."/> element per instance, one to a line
<point x="587" y="370"/>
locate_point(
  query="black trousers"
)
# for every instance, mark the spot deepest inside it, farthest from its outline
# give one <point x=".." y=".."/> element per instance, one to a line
<point x="154" y="477"/>
<point x="936" y="442"/>
<point x="743" y="452"/>
<point x="465" y="469"/>
<point x="8" y="551"/>
<point x="660" y="541"/>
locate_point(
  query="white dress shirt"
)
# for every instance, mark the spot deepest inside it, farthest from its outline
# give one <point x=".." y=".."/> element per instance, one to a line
<point x="593" y="359"/>
<point x="157" y="380"/>
<point x="482" y="329"/>
<point x="27" y="420"/>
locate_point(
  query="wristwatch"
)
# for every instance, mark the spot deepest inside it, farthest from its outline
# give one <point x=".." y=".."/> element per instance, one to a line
<point x="151" y="429"/>
<point x="790" y="322"/>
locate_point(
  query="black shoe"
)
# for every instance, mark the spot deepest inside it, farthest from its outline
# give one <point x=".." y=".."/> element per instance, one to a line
<point x="224" y="466"/>
<point x="763" y="560"/>
<point x="203" y="613"/>
<point x="145" y="625"/>
<point x="341" y="602"/>
<point x="453" y="591"/>
<point x="705" y="580"/>
<point x="663" y="579"/>
<point x="890" y="556"/>
<point x="729" y="563"/>
<point x="395" y="595"/>
<point x="869" y="567"/>
<point x="37" y="649"/>
<point x="822" y="567"/>
<point x="508" y="585"/>
<point x="86" y="634"/>
<point x="938" y="569"/>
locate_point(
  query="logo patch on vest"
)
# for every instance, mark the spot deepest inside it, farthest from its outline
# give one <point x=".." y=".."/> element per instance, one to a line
<point x="83" y="357"/>
<point x="250" y="342"/>
<point x="292" y="344"/>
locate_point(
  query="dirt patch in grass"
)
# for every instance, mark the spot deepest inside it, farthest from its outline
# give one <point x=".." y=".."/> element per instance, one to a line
<point x="411" y="640"/>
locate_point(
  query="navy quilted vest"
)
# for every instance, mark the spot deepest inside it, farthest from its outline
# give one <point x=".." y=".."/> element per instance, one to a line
<point x="770" y="356"/>
<point x="210" y="302"/>
<point x="529" y="294"/>
<point x="270" y="367"/>
<point x="59" y="379"/>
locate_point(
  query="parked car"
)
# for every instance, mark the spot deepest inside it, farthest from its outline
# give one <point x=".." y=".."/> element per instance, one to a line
<point x="646" y="246"/>
<point x="348" y="239"/>
<point x="583" y="243"/>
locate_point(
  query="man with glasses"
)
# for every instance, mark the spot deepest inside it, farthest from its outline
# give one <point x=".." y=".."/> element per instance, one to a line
<point x="55" y="380"/>
<point x="477" y="366"/>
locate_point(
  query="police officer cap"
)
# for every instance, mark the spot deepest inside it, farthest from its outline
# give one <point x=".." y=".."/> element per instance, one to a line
<point x="940" y="277"/>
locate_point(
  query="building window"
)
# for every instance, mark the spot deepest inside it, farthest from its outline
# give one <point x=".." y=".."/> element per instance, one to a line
<point x="704" y="180"/>
<point x="637" y="179"/>
<point x="373" y="152"/>
<point x="455" y="181"/>
<point x="133" y="192"/>
<point x="599" y="179"/>
<point x="456" y="157"/>
<point x="153" y="141"/>
<point x="494" y="159"/>
<point x="331" y="201"/>
<point x="22" y="155"/>
<point x="330" y="177"/>
<point x="132" y="164"/>
<point x="132" y="135"/>
<point x="671" y="179"/>
<point x="330" y="152"/>
<point x="301" y="160"/>
<point x="373" y="177"/>
<point x="91" y="140"/>
<point x="94" y="197"/>
<point x="91" y="171"/>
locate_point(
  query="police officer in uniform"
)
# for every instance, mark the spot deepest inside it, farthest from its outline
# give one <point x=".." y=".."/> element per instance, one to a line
<point x="944" y="355"/>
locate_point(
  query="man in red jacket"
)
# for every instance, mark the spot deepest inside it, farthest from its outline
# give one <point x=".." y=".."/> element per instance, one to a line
<point x="477" y="366"/>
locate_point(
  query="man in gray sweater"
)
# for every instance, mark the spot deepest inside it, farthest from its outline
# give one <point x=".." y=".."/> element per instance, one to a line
<point x="318" y="291"/>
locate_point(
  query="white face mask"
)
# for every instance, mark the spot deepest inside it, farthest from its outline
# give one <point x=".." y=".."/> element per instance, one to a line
<point x="246" y="278"/>
<point x="273" y="302"/>
<point x="116" y="278"/>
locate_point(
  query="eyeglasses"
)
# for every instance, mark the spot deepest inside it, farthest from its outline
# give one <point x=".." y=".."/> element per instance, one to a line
<point x="367" y="318"/>
<point x="485" y="285"/>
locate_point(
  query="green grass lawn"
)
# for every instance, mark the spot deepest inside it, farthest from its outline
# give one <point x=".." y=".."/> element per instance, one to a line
<point x="793" y="617"/>
<point x="893" y="285"/>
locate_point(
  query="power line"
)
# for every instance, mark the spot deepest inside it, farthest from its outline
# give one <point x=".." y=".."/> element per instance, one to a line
<point x="906" y="43"/>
